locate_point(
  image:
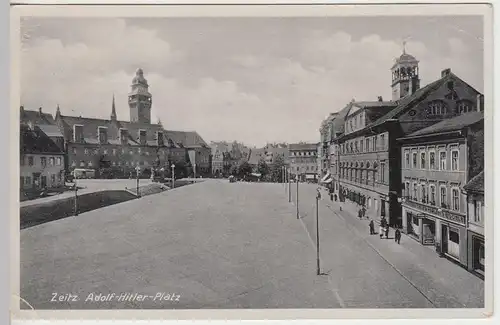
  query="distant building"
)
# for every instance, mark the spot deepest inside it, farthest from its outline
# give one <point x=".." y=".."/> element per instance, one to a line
<point x="474" y="190"/>
<point x="436" y="162"/>
<point x="41" y="160"/>
<point x="302" y="158"/>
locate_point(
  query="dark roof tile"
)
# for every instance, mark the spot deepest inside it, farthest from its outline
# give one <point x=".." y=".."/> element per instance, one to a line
<point x="476" y="184"/>
<point x="452" y="124"/>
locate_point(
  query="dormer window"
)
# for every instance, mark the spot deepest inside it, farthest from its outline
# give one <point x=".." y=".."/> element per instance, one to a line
<point x="123" y="136"/>
<point x="437" y="107"/>
<point x="78" y="133"/>
<point x="102" y="134"/>
<point x="465" y="106"/>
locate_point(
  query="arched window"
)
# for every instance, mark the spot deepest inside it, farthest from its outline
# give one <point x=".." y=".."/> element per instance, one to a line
<point x="437" y="107"/>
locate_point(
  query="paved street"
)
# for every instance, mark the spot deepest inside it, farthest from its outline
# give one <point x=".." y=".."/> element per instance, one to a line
<point x="371" y="271"/>
<point x="233" y="245"/>
<point x="216" y="244"/>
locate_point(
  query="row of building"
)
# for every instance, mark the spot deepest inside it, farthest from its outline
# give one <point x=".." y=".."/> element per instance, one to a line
<point x="417" y="159"/>
<point x="53" y="146"/>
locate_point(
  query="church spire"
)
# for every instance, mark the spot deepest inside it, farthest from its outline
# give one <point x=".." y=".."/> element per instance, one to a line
<point x="58" y="111"/>
<point x="113" y="109"/>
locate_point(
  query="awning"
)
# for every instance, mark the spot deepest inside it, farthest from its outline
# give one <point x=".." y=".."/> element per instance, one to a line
<point x="327" y="178"/>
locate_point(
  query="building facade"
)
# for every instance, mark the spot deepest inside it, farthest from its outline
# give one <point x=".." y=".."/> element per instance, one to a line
<point x="368" y="165"/>
<point x="41" y="161"/>
<point x="302" y="158"/>
<point x="474" y="190"/>
<point x="436" y="162"/>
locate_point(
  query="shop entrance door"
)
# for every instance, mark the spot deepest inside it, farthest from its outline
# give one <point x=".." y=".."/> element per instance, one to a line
<point x="444" y="238"/>
<point x="409" y="223"/>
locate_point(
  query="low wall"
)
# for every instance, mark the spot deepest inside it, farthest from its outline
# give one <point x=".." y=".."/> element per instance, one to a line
<point x="36" y="214"/>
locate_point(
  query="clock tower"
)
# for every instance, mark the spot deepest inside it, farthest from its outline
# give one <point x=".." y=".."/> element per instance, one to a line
<point x="405" y="76"/>
<point x="139" y="99"/>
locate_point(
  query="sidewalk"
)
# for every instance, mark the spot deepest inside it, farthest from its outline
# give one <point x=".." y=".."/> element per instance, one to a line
<point x="443" y="282"/>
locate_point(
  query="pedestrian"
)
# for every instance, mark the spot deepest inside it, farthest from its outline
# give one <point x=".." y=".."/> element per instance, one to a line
<point x="360" y="214"/>
<point x="372" y="228"/>
<point x="387" y="232"/>
<point x="363" y="211"/>
<point x="381" y="231"/>
<point x="397" y="236"/>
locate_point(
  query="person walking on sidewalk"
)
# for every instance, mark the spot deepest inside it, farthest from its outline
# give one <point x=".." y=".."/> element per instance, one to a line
<point x="397" y="236"/>
<point x="360" y="214"/>
<point x="372" y="227"/>
<point x="387" y="232"/>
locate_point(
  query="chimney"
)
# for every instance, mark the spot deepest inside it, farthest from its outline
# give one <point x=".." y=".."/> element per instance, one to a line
<point x="380" y="99"/>
<point x="480" y="102"/>
<point x="445" y="72"/>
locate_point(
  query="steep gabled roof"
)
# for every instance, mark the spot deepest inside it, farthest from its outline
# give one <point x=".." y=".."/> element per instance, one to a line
<point x="36" y="141"/>
<point x="36" y="117"/>
<point x="476" y="184"/>
<point x="188" y="139"/>
<point x="303" y="146"/>
<point x="453" y="124"/>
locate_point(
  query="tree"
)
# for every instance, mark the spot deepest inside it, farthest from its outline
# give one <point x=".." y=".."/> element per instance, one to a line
<point x="244" y="168"/>
<point x="262" y="167"/>
<point x="277" y="168"/>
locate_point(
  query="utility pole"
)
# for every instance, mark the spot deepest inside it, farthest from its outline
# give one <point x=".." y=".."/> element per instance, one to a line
<point x="76" y="198"/>
<point x="289" y="188"/>
<point x="318" y="197"/>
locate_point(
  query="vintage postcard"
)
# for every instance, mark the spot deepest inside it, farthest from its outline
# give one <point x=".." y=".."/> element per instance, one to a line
<point x="252" y="161"/>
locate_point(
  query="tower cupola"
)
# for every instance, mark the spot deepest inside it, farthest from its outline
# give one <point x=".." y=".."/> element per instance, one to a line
<point x="139" y="99"/>
<point x="405" y="75"/>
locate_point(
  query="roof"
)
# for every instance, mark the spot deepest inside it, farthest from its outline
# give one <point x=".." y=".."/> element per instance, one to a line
<point x="90" y="125"/>
<point x="338" y="122"/>
<point x="476" y="184"/>
<point x="303" y="146"/>
<point x="256" y="155"/>
<point x="36" y="141"/>
<point x="36" y="117"/>
<point x="51" y="130"/>
<point x="374" y="104"/>
<point x="452" y="124"/>
<point x="409" y="101"/>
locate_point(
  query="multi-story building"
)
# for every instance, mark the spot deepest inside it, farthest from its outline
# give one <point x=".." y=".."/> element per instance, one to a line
<point x="324" y="150"/>
<point x="368" y="160"/>
<point x="123" y="146"/>
<point x="217" y="160"/>
<point x="436" y="162"/>
<point x="302" y="158"/>
<point x="474" y="190"/>
<point x="41" y="161"/>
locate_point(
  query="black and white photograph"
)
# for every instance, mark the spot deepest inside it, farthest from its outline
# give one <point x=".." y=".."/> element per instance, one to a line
<point x="253" y="162"/>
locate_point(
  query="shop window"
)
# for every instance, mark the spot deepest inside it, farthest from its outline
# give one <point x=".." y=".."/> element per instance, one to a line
<point x="414" y="220"/>
<point x="454" y="237"/>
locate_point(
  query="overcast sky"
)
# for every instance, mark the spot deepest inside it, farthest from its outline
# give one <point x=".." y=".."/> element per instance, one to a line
<point x="254" y="80"/>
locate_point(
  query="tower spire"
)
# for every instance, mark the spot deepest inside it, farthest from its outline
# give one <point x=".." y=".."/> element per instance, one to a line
<point x="58" y="111"/>
<point x="113" y="109"/>
<point x="404" y="47"/>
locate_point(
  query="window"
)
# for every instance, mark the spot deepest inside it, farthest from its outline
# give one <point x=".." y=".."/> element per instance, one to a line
<point x="86" y="151"/>
<point x="89" y="164"/>
<point x="432" y="190"/>
<point x="138" y="150"/>
<point x="375" y="143"/>
<point x="454" y="160"/>
<point x="58" y="161"/>
<point x="465" y="106"/>
<point x="422" y="160"/>
<point x="477" y="211"/>
<point x="437" y="108"/>
<point x="59" y="177"/>
<point x="382" y="172"/>
<point x="424" y="196"/>
<point x="43" y="161"/>
<point x="415" y="194"/>
<point x="407" y="159"/>
<point x="443" y="197"/>
<point x="367" y="141"/>
<point x="361" y="145"/>
<point x="51" y="161"/>
<point x="105" y="151"/>
<point x="456" y="200"/>
<point x="415" y="220"/>
<point x="454" y="237"/>
<point x="82" y="163"/>
<point x="407" y="189"/>
<point x="382" y="141"/>
<point x="414" y="160"/>
<point x="27" y="180"/>
<point x="114" y="152"/>
<point x="74" y="150"/>
<point x="96" y="151"/>
<point x="442" y="160"/>
<point x="432" y="160"/>
<point x="52" y="179"/>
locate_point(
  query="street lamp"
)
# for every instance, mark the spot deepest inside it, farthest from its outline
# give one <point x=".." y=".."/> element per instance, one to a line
<point x="173" y="175"/>
<point x="318" y="197"/>
<point x="76" y="196"/>
<point x="137" y="169"/>
<point x="289" y="187"/>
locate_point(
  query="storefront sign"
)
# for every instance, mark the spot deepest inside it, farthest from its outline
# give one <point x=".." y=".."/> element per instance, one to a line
<point x="445" y="214"/>
<point x="453" y="217"/>
<point x="422" y="207"/>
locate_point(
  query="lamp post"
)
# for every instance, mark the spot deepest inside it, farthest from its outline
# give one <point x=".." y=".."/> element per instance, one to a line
<point x="289" y="187"/>
<point x="137" y="169"/>
<point x="297" y="180"/>
<point x="173" y="175"/>
<point x="76" y="198"/>
<point x="318" y="197"/>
